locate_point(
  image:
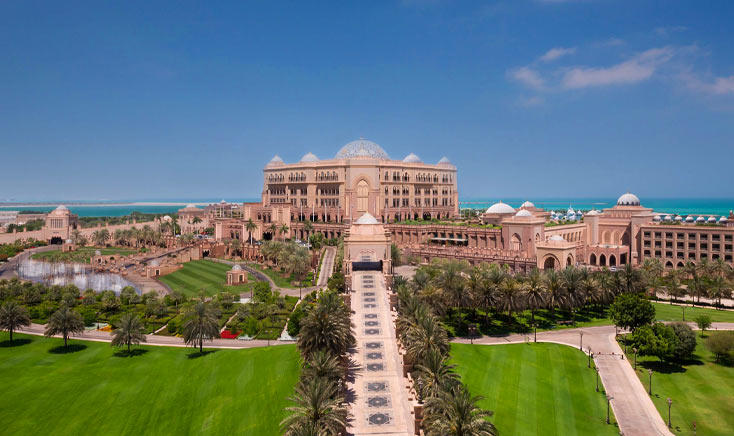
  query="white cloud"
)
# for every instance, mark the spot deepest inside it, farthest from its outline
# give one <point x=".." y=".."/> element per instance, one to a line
<point x="611" y="42"/>
<point x="531" y="101"/>
<point x="715" y="86"/>
<point x="637" y="69"/>
<point x="528" y="77"/>
<point x="557" y="52"/>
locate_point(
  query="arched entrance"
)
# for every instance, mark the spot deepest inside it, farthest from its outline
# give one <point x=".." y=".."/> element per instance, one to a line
<point x="602" y="260"/>
<point x="550" y="263"/>
<point x="515" y="242"/>
<point x="569" y="261"/>
<point x="362" y="197"/>
<point x="267" y="236"/>
<point x="56" y="240"/>
<point x="592" y="259"/>
<point x="612" y="260"/>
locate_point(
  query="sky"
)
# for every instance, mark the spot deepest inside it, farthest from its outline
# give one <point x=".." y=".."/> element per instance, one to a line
<point x="528" y="98"/>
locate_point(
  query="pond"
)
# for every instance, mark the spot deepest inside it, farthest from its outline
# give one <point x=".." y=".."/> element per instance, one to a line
<point x="77" y="274"/>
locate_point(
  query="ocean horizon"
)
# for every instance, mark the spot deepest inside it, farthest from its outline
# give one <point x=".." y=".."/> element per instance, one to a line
<point x="94" y="208"/>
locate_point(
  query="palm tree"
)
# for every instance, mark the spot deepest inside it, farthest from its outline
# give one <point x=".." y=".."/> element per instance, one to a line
<point x="12" y="317"/>
<point x="673" y="286"/>
<point x="250" y="226"/>
<point x="326" y="327"/>
<point x="426" y="336"/>
<point x="200" y="323"/>
<point x="318" y="407"/>
<point x="631" y="279"/>
<point x="128" y="331"/>
<point x="273" y="229"/>
<point x="510" y="297"/>
<point x="64" y="322"/>
<point x="325" y="365"/>
<point x="720" y="288"/>
<point x="556" y="293"/>
<point x="451" y="283"/>
<point x="455" y="413"/>
<point x="535" y="292"/>
<point x="434" y="375"/>
<point x="283" y="230"/>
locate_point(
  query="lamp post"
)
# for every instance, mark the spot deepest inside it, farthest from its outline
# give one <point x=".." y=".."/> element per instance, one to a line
<point x="635" y="351"/>
<point x="581" y="341"/>
<point x="670" y="403"/>
<point x="609" y="400"/>
<point x="649" y="371"/>
<point x="535" y="332"/>
<point x="589" y="349"/>
<point x="597" y="378"/>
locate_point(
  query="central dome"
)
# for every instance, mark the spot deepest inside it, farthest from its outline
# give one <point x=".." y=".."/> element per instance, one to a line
<point x="362" y="148"/>
<point x="628" y="200"/>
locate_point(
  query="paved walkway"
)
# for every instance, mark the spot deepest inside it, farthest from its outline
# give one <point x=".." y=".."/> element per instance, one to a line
<point x="635" y="412"/>
<point x="164" y="341"/>
<point x="377" y="397"/>
<point x="327" y="266"/>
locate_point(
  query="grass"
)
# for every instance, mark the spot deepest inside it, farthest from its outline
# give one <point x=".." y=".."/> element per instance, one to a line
<point x="203" y="275"/>
<point x="290" y="282"/>
<point x="668" y="312"/>
<point x="535" y="389"/>
<point x="83" y="254"/>
<point x="702" y="392"/>
<point x="96" y="389"/>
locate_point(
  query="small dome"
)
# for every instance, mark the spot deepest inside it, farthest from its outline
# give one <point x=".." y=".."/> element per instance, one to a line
<point x="412" y="158"/>
<point x="701" y="219"/>
<point x="236" y="267"/>
<point x="69" y="241"/>
<point x="656" y="218"/>
<point x="628" y="200"/>
<point x="275" y="161"/>
<point x="557" y="238"/>
<point x="309" y="157"/>
<point x="444" y="160"/>
<point x="668" y="218"/>
<point x="528" y="205"/>
<point x="711" y="219"/>
<point x="689" y="219"/>
<point x="191" y="206"/>
<point x="361" y="148"/>
<point x="223" y="202"/>
<point x="723" y="220"/>
<point x="593" y="212"/>
<point x="679" y="219"/>
<point x="500" y="208"/>
<point x="524" y="213"/>
<point x="97" y="253"/>
<point x="367" y="218"/>
<point x="61" y="207"/>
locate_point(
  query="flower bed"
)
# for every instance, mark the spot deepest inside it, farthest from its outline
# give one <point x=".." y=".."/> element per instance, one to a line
<point x="226" y="334"/>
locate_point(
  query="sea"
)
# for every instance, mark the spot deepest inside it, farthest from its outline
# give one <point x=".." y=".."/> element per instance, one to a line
<point x="679" y="206"/>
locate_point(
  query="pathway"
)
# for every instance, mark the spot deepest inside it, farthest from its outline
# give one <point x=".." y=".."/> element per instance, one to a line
<point x="164" y="341"/>
<point x="635" y="412"/>
<point x="378" y="401"/>
<point x="327" y="266"/>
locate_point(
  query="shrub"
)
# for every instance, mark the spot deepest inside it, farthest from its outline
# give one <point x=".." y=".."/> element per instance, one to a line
<point x="251" y="326"/>
<point x="703" y="322"/>
<point x="89" y="315"/>
<point x="721" y="344"/>
<point x="172" y="327"/>
<point x="658" y="340"/>
<point x="294" y="321"/>
<point x="261" y="292"/>
<point x="686" y="340"/>
<point x="632" y="311"/>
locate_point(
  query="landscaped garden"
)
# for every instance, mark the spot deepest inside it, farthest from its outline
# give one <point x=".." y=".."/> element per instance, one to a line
<point x="668" y="312"/>
<point x="204" y="276"/>
<point x="281" y="279"/>
<point x="95" y="389"/>
<point x="535" y="389"/>
<point x="700" y="388"/>
<point x="80" y="255"/>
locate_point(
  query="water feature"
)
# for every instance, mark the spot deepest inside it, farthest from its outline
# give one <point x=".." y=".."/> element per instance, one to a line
<point x="77" y="274"/>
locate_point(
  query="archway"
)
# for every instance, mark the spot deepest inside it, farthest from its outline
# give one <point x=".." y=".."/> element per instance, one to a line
<point x="362" y="197"/>
<point x="549" y="263"/>
<point x="602" y="260"/>
<point x="267" y="236"/>
<point x="623" y="259"/>
<point x="612" y="260"/>
<point x="592" y="259"/>
<point x="56" y="240"/>
<point x="680" y="265"/>
<point x="569" y="261"/>
<point x="668" y="265"/>
<point x="515" y="242"/>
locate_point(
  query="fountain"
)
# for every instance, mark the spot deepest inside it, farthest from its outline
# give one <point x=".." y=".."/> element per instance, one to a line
<point x="77" y="274"/>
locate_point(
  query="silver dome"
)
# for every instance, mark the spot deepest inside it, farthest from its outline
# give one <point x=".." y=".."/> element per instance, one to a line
<point x="362" y="148"/>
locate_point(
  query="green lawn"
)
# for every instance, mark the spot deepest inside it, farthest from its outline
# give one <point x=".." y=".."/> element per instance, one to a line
<point x="83" y="254"/>
<point x="535" y="389"/>
<point x="203" y="275"/>
<point x="282" y="281"/>
<point x="163" y="391"/>
<point x="668" y="312"/>
<point x="701" y="390"/>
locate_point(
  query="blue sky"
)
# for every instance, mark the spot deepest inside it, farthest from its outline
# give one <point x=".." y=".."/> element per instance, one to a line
<point x="529" y="98"/>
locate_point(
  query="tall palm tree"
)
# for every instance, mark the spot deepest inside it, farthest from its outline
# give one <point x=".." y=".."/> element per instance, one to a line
<point x="64" y="322"/>
<point x="426" y="336"/>
<point x="510" y="296"/>
<point x="434" y="375"/>
<point x="200" y="323"/>
<point x="535" y="292"/>
<point x="673" y="286"/>
<point x="456" y="413"/>
<point x="720" y="288"/>
<point x="556" y="293"/>
<point x="250" y="226"/>
<point x="318" y="406"/>
<point x="451" y="283"/>
<point x="325" y="365"/>
<point x="326" y="327"/>
<point x="129" y="330"/>
<point x="631" y="279"/>
<point x="571" y="280"/>
<point x="12" y="317"/>
<point x="273" y="229"/>
<point x="284" y="230"/>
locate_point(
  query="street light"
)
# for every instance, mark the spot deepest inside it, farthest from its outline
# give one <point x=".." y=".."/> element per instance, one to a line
<point x="670" y="403"/>
<point x="589" y="349"/>
<point x="609" y="399"/>
<point x="597" y="378"/>
<point x="635" y="351"/>
<point x="649" y="371"/>
<point x="581" y="341"/>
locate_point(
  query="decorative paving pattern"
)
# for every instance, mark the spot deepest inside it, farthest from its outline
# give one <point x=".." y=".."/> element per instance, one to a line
<point x="369" y="286"/>
<point x="375" y="367"/>
<point x="378" y="402"/>
<point x="372" y="331"/>
<point x="375" y="355"/>
<point x="379" y="386"/>
<point x="369" y="294"/>
<point x="380" y="418"/>
<point x="369" y="299"/>
<point x="370" y="315"/>
<point x="370" y="306"/>
<point x="371" y="323"/>
<point x="373" y="345"/>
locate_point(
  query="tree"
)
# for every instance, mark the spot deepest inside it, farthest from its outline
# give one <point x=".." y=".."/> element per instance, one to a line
<point x="557" y="296"/>
<point x="326" y="327"/>
<point x="395" y="254"/>
<point x="12" y="317"/>
<point x="250" y="226"/>
<point x="703" y="322"/>
<point x="455" y="413"/>
<point x="323" y="365"/>
<point x="686" y="340"/>
<point x="200" y="324"/>
<point x="129" y="330"/>
<point x="510" y="296"/>
<point x="283" y="230"/>
<point x="673" y="286"/>
<point x="434" y="375"/>
<point x="534" y="292"/>
<point x="318" y="406"/>
<point x="657" y="340"/>
<point x="426" y="336"/>
<point x="126" y="294"/>
<point x="721" y="345"/>
<point x="64" y="322"/>
<point x="631" y="311"/>
<point x="451" y="283"/>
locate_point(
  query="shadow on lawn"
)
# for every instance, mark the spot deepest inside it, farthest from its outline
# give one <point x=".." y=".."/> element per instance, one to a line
<point x="197" y="354"/>
<point x="670" y="367"/>
<point x="71" y="348"/>
<point x="17" y="342"/>
<point x="132" y="353"/>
